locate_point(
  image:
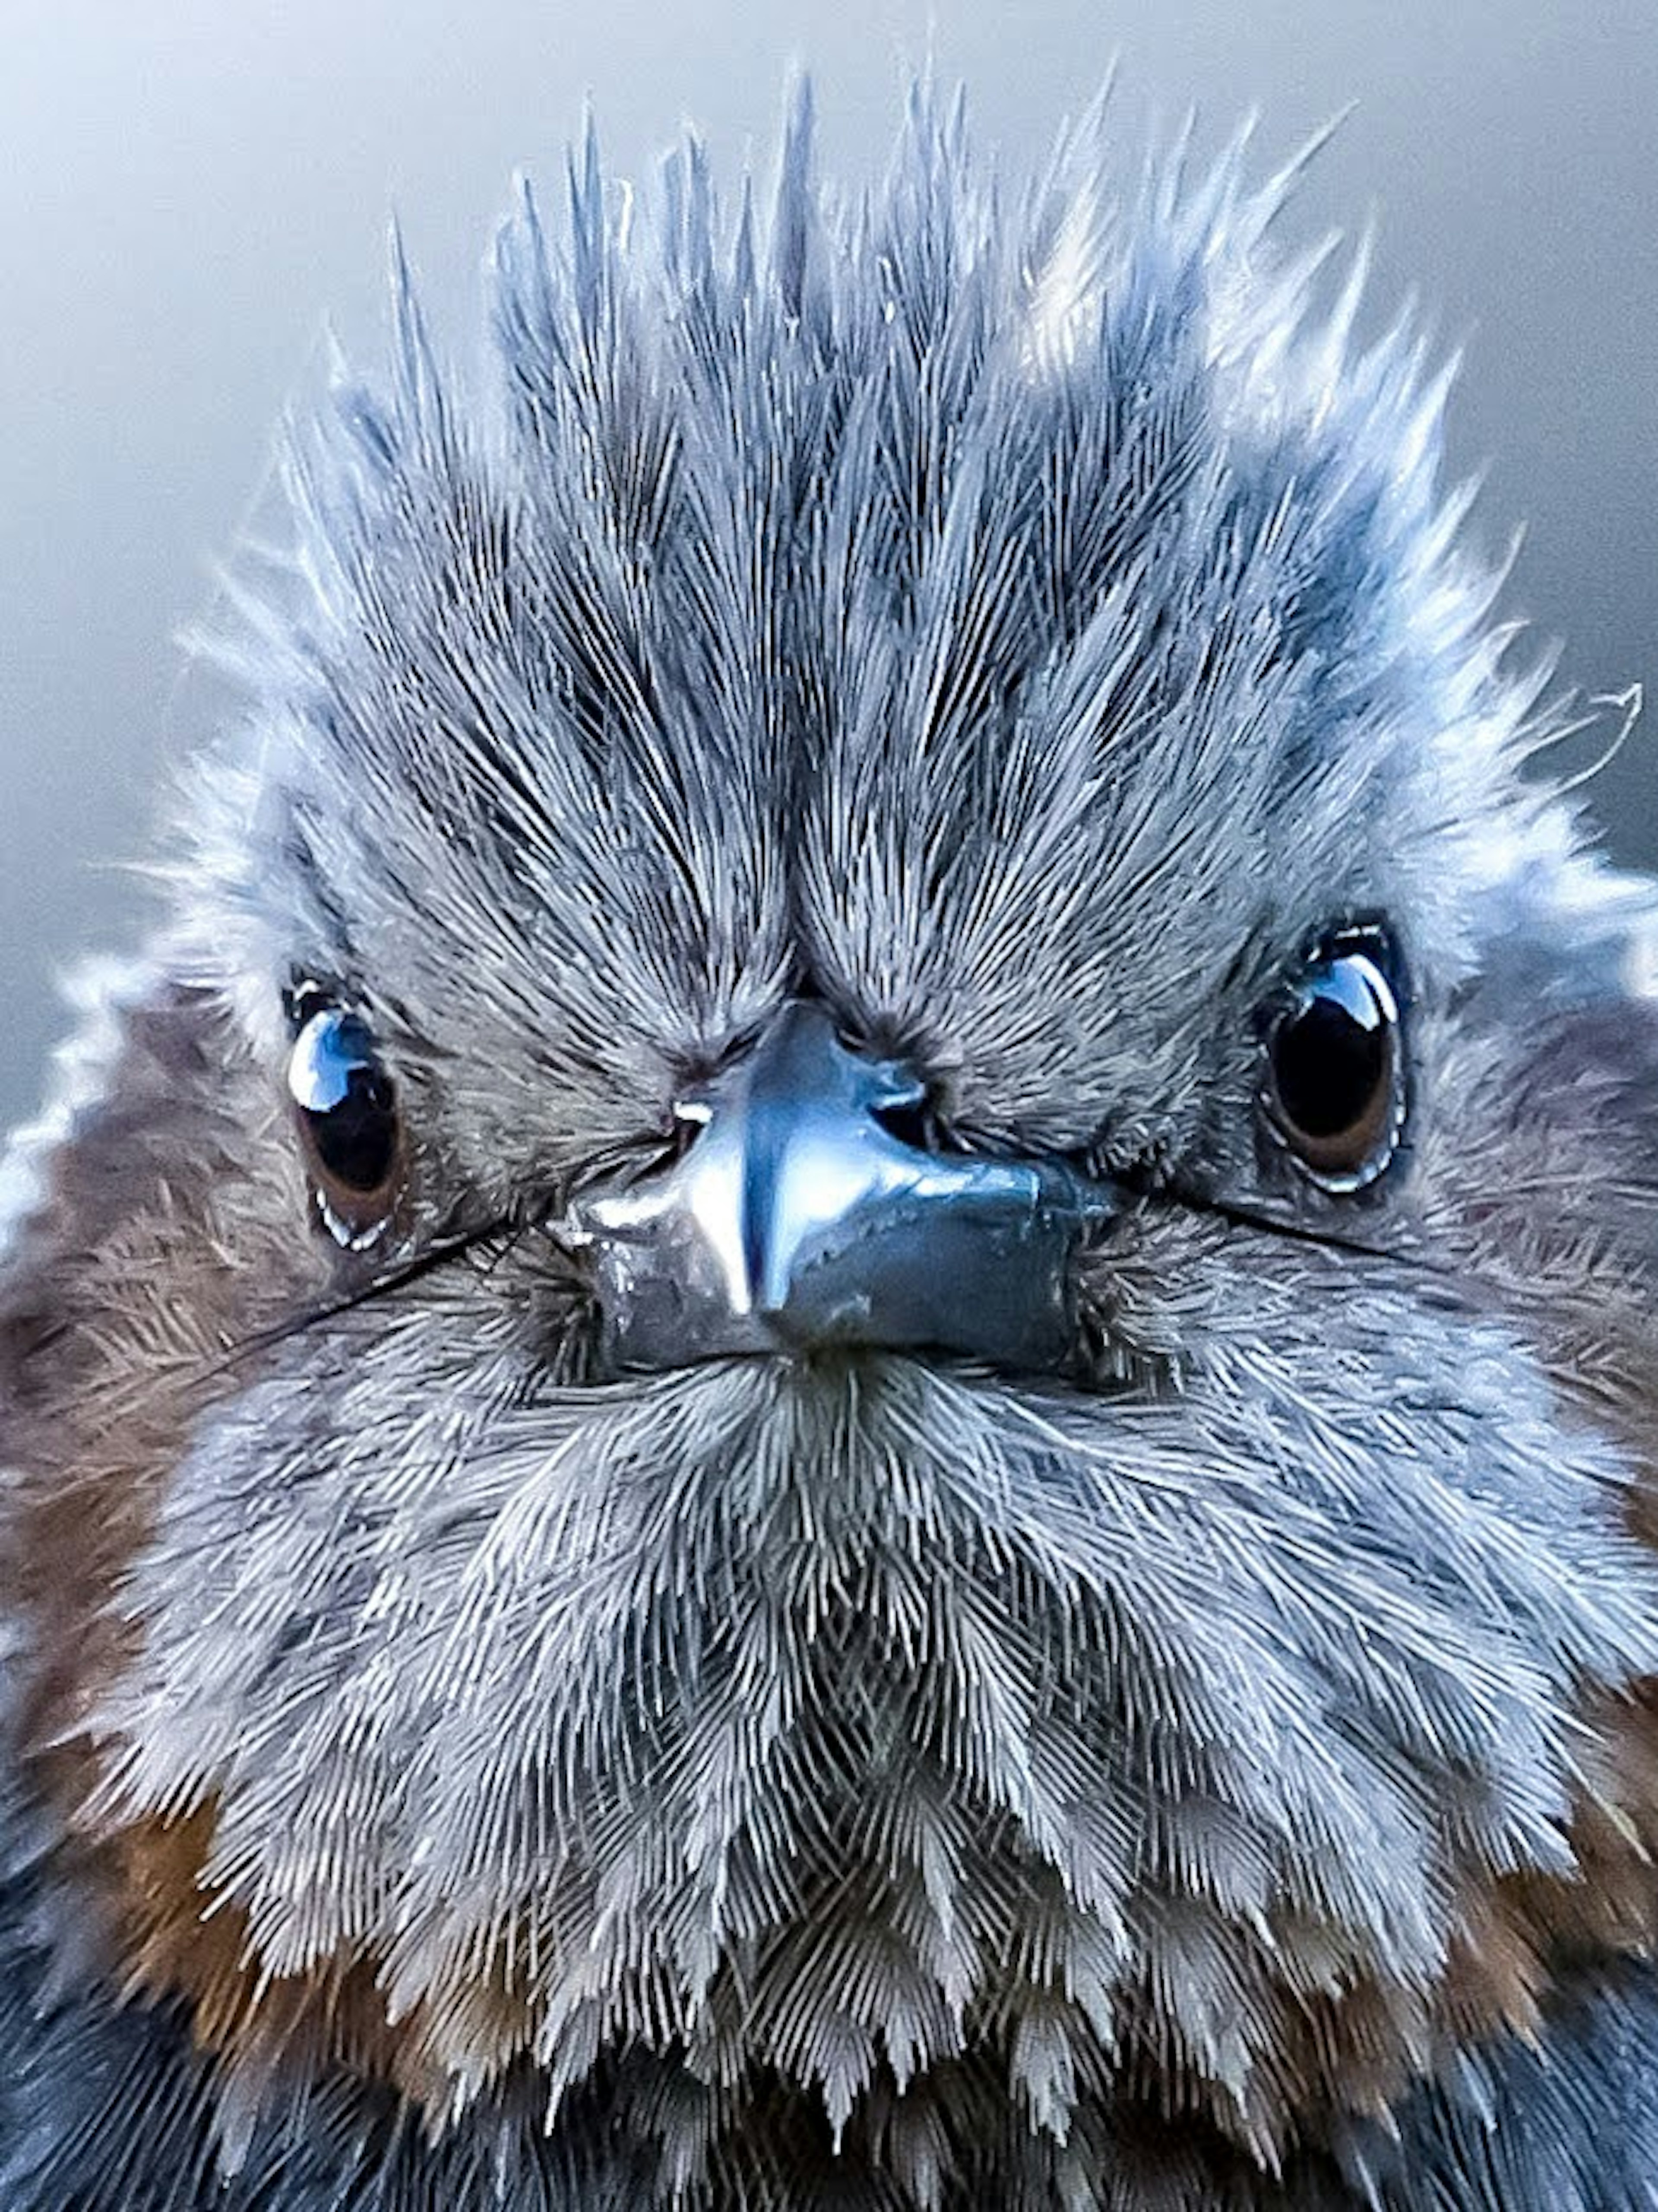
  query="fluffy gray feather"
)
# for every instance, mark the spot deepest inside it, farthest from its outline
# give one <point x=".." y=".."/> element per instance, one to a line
<point x="451" y="1767"/>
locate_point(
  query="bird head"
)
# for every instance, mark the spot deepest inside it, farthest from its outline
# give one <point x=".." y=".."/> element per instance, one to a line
<point x="849" y="1346"/>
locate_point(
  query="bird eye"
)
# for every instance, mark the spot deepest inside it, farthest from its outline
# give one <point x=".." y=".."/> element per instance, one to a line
<point x="1334" y="1079"/>
<point x="346" y="1107"/>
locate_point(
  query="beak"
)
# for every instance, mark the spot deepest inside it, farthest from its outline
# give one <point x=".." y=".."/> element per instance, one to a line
<point x="798" y="1219"/>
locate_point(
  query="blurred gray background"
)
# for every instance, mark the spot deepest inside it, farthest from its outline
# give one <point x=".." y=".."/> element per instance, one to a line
<point x="188" y="189"/>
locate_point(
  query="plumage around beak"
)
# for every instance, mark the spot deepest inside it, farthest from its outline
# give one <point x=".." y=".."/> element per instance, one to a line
<point x="797" y="1218"/>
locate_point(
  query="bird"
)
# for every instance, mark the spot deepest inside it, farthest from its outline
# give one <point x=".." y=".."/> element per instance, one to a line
<point x="835" y="1385"/>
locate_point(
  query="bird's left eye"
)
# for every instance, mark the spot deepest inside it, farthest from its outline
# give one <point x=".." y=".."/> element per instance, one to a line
<point x="1334" y="1086"/>
<point x="346" y="1107"/>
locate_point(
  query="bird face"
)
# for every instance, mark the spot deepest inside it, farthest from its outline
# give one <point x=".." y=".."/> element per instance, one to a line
<point x="851" y="1354"/>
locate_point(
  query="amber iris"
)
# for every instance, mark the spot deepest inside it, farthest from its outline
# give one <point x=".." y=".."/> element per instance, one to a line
<point x="1334" y="1086"/>
<point x="346" y="1106"/>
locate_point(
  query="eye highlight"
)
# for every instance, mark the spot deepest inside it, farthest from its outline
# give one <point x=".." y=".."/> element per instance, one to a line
<point x="345" y="1105"/>
<point x="1334" y="1084"/>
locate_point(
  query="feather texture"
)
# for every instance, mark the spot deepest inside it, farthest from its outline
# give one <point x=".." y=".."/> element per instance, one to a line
<point x="1221" y="1776"/>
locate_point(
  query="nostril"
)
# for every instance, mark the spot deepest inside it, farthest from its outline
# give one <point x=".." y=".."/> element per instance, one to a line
<point x="911" y="1121"/>
<point x="691" y="1116"/>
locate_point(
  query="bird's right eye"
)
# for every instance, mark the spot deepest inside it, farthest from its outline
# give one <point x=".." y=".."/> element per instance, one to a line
<point x="345" y="1105"/>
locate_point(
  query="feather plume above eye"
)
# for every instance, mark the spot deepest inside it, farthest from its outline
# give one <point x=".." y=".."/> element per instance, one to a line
<point x="833" y="484"/>
<point x="839" y="1385"/>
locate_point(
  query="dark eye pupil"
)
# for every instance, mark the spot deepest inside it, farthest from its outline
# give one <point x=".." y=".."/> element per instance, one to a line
<point x="1330" y="1056"/>
<point x="346" y="1102"/>
<point x="1335" y="1090"/>
<point x="357" y="1138"/>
